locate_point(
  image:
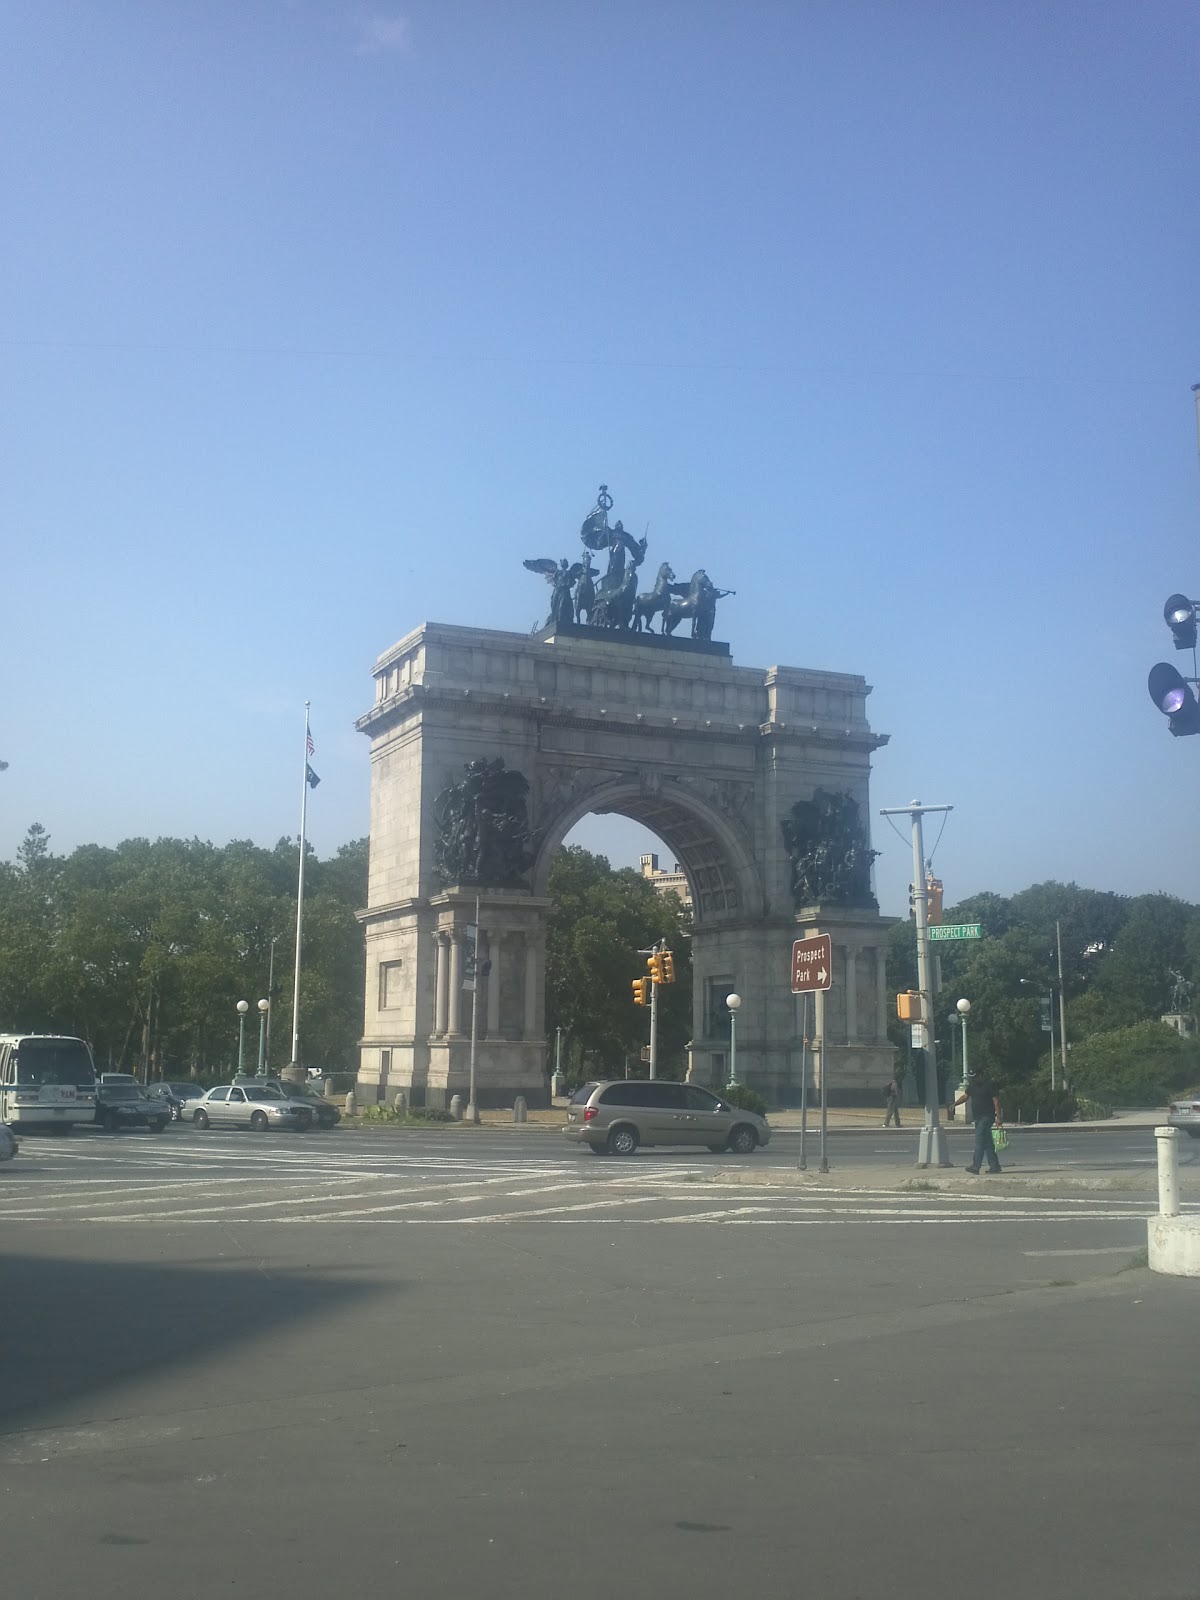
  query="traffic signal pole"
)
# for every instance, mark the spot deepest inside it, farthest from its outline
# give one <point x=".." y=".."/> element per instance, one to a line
<point x="653" y="1030"/>
<point x="932" y="1150"/>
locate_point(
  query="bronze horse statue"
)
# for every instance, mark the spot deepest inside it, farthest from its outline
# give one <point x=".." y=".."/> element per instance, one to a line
<point x="698" y="601"/>
<point x="646" y="606"/>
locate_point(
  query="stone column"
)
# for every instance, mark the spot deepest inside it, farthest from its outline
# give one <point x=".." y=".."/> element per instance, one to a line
<point x="881" y="1011"/>
<point x="454" y="1019"/>
<point x="441" y="986"/>
<point x="851" y="994"/>
<point x="493" y="987"/>
<point x="531" y="973"/>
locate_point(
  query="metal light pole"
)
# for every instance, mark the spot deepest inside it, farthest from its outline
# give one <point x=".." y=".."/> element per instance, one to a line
<point x="964" y="1011"/>
<point x="733" y="1001"/>
<point x="932" y="1150"/>
<point x="242" y="1007"/>
<point x="264" y="1007"/>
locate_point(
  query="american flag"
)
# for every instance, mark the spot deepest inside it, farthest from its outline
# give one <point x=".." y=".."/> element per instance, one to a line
<point x="309" y="746"/>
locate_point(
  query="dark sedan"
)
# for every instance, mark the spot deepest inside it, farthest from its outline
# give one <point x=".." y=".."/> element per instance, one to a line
<point x="127" y="1105"/>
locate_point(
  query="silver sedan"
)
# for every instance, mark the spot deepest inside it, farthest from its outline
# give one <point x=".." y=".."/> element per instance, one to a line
<point x="1185" y="1113"/>
<point x="243" y="1106"/>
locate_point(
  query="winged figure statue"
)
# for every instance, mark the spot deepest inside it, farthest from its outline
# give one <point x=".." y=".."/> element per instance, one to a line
<point x="562" y="577"/>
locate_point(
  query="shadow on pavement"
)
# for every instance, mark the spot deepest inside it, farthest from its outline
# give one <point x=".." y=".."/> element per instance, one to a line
<point x="74" y="1328"/>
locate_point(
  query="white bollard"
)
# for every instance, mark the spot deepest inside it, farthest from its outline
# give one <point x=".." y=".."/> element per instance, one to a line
<point x="456" y="1107"/>
<point x="520" y="1111"/>
<point x="350" y="1108"/>
<point x="1168" y="1171"/>
<point x="400" y="1103"/>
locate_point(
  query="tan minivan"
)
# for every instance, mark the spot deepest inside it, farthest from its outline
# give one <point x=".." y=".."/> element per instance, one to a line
<point x="614" y="1118"/>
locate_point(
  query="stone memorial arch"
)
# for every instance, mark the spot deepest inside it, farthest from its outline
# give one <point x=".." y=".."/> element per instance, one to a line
<point x="486" y="749"/>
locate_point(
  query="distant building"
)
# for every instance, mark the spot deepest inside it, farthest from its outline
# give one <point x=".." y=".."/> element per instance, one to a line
<point x="667" y="882"/>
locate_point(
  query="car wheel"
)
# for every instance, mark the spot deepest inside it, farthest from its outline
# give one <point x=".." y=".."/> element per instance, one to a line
<point x="159" y="1124"/>
<point x="598" y="1149"/>
<point x="743" y="1139"/>
<point x="622" y="1141"/>
<point x="258" y="1121"/>
<point x="110" y="1122"/>
<point x="200" y="1118"/>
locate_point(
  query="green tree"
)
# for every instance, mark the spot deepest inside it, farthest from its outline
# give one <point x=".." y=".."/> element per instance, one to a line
<point x="1140" y="1066"/>
<point x="600" y="920"/>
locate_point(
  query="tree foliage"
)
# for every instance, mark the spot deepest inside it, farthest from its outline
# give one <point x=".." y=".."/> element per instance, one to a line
<point x="146" y="949"/>
<point x="600" y="921"/>
<point x="1122" y="959"/>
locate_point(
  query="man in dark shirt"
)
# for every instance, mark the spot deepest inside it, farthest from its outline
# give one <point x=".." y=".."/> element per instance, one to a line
<point x="985" y="1112"/>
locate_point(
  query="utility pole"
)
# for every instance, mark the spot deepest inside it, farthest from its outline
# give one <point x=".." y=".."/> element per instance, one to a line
<point x="932" y="1150"/>
<point x="1062" y="1011"/>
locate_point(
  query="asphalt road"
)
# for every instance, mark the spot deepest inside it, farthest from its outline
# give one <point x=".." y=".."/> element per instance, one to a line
<point x="1031" y="1151"/>
<point x="482" y="1363"/>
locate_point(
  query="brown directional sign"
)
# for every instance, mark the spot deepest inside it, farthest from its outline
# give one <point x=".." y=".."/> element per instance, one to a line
<point x="811" y="966"/>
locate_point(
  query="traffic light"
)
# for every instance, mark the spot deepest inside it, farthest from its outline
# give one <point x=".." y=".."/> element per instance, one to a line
<point x="641" y="991"/>
<point x="912" y="904"/>
<point x="1179" y="613"/>
<point x="655" y="962"/>
<point x="668" y="961"/>
<point x="908" y="1005"/>
<point x="933" y="905"/>
<point x="1173" y="696"/>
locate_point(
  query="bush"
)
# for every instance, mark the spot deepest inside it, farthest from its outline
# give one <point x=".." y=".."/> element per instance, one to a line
<point x="419" y="1114"/>
<point x="745" y="1099"/>
<point x="1139" y="1066"/>
<point x="1033" y="1100"/>
<point x="1093" y="1110"/>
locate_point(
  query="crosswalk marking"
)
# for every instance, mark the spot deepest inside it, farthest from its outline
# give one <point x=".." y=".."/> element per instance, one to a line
<point x="340" y="1181"/>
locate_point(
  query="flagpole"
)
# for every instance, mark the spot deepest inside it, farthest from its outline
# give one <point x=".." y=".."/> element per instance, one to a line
<point x="294" y="1063"/>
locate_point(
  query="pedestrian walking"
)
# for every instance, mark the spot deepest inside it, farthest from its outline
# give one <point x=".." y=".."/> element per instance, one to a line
<point x="891" y="1098"/>
<point x="983" y="1107"/>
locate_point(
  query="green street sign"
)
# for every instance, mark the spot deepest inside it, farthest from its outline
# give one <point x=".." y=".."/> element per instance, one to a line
<point x="956" y="930"/>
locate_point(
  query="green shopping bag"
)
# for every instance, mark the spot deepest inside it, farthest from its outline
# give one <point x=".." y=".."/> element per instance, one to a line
<point x="1000" y="1138"/>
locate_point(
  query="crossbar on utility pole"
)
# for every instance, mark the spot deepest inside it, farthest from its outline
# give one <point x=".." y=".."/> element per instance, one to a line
<point x="932" y="1150"/>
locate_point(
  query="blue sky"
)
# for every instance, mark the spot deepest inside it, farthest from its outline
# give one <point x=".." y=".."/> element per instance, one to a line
<point x="316" y="318"/>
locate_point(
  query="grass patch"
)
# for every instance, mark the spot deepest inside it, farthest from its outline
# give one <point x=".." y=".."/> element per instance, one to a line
<point x="919" y="1186"/>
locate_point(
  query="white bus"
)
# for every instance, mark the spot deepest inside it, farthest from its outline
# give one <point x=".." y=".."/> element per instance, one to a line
<point x="46" y="1080"/>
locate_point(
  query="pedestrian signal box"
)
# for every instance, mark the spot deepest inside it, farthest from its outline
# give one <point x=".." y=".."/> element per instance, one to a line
<point x="908" y="1006"/>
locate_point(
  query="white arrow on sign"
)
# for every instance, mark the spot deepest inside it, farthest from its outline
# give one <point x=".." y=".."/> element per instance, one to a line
<point x="822" y="975"/>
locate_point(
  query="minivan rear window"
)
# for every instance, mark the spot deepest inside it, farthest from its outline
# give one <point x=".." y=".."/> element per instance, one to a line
<point x="658" y="1092"/>
<point x="584" y="1093"/>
